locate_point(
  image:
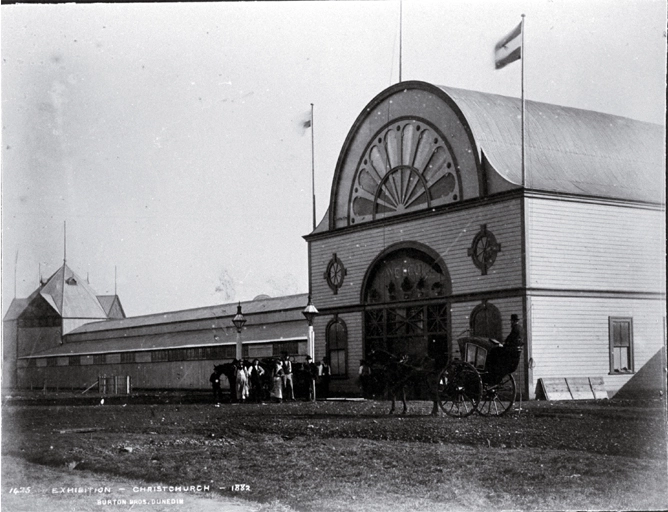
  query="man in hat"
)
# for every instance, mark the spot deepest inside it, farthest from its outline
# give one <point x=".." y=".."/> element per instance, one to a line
<point x="504" y="360"/>
<point x="514" y="339"/>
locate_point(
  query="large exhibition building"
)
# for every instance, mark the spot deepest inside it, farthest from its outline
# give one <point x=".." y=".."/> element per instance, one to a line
<point x="434" y="230"/>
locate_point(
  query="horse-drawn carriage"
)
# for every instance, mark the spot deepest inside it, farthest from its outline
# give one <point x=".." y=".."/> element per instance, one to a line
<point x="481" y="380"/>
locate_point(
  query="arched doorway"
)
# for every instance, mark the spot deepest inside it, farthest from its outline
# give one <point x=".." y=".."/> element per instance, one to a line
<point x="406" y="292"/>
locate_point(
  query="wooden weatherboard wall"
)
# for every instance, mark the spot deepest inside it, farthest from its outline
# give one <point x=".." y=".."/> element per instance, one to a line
<point x="449" y="234"/>
<point x="570" y="335"/>
<point x="592" y="246"/>
<point x="587" y="262"/>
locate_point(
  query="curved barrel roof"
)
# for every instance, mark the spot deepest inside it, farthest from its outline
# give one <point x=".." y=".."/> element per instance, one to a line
<point x="568" y="149"/>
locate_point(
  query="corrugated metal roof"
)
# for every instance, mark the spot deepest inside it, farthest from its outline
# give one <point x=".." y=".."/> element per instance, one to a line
<point x="204" y="313"/>
<point x="567" y="149"/>
<point x="71" y="296"/>
<point x="282" y="331"/>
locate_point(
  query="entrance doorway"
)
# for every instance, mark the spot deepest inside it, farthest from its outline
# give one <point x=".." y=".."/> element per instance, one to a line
<point x="406" y="296"/>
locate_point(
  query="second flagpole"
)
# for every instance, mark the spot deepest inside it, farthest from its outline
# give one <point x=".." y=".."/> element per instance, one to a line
<point x="313" y="165"/>
<point x="524" y="177"/>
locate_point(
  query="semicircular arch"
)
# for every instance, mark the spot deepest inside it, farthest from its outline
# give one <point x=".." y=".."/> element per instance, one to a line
<point x="406" y="271"/>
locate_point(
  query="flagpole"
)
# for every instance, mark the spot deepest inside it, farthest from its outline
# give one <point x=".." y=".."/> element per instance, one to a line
<point x="524" y="183"/>
<point x="313" y="164"/>
<point x="401" y="12"/>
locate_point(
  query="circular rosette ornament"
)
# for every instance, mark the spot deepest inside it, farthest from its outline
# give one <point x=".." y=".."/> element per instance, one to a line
<point x="484" y="249"/>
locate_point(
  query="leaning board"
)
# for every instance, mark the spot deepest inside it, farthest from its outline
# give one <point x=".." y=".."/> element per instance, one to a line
<point x="580" y="388"/>
<point x="555" y="389"/>
<point x="598" y="388"/>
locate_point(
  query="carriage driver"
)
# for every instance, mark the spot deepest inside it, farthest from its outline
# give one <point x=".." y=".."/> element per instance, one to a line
<point x="287" y="378"/>
<point x="514" y="339"/>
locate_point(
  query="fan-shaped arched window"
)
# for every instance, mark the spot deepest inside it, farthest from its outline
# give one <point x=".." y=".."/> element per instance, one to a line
<point x="486" y="321"/>
<point x="337" y="347"/>
<point x="407" y="166"/>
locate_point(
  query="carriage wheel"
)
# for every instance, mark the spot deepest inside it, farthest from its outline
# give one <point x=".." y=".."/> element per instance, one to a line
<point x="498" y="399"/>
<point x="459" y="389"/>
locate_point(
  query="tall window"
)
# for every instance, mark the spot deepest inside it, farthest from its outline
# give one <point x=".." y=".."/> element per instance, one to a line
<point x="486" y="321"/>
<point x="337" y="345"/>
<point x="621" y="344"/>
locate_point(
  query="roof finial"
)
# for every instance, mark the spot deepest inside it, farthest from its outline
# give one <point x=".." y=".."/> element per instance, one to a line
<point x="115" y="280"/>
<point x="64" y="242"/>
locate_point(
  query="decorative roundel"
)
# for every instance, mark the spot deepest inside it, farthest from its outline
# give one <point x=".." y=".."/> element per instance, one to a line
<point x="407" y="166"/>
<point x="335" y="273"/>
<point x="484" y="249"/>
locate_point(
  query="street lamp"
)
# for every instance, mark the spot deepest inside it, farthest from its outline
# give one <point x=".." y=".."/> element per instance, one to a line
<point x="239" y="322"/>
<point x="310" y="312"/>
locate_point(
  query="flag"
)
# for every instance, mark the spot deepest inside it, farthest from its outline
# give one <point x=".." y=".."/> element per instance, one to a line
<point x="303" y="122"/>
<point x="509" y="49"/>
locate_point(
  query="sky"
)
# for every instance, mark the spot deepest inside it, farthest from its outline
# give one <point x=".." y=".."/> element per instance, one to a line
<point x="169" y="138"/>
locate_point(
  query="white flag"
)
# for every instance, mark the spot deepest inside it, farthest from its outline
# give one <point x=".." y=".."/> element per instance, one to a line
<point x="509" y="49"/>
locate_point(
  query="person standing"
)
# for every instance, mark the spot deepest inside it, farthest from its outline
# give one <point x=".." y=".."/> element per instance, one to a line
<point x="277" y="382"/>
<point x="310" y="372"/>
<point x="214" y="379"/>
<point x="256" y="374"/>
<point x="364" y="376"/>
<point x="287" y="377"/>
<point x="242" y="381"/>
<point x="325" y="377"/>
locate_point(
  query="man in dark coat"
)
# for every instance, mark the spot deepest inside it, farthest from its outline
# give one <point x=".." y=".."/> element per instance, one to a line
<point x="215" y="386"/>
<point x="504" y="360"/>
<point x="514" y="339"/>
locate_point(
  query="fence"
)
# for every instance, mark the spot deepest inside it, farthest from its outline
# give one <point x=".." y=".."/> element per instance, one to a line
<point x="114" y="385"/>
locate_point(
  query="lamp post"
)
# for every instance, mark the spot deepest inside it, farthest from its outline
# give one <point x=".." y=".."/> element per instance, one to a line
<point x="239" y="322"/>
<point x="310" y="312"/>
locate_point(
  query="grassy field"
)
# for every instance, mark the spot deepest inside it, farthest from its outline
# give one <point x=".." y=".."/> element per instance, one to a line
<point x="339" y="456"/>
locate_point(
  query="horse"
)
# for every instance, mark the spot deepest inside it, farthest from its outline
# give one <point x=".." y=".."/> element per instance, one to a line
<point x="398" y="371"/>
<point x="230" y="371"/>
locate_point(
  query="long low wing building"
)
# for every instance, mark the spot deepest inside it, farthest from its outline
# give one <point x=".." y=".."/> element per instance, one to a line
<point x="174" y="350"/>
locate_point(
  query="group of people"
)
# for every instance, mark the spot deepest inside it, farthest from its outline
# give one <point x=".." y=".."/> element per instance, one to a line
<point x="247" y="380"/>
<point x="251" y="381"/>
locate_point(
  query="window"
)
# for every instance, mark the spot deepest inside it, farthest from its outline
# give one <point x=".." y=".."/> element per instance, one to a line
<point x="74" y="360"/>
<point x="99" y="359"/>
<point x="127" y="357"/>
<point x="290" y="347"/>
<point x="51" y="361"/>
<point x="176" y="354"/>
<point x="621" y="344"/>
<point x="486" y="321"/>
<point x="158" y="356"/>
<point x="337" y="344"/>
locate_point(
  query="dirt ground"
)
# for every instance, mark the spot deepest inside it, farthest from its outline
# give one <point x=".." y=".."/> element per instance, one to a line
<point x="333" y="455"/>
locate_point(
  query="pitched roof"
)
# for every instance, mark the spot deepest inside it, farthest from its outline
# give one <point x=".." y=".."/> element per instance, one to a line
<point x="567" y="149"/>
<point x="204" y="313"/>
<point x="71" y="296"/>
<point x="16" y="307"/>
<point x="107" y="302"/>
<point x="295" y="330"/>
